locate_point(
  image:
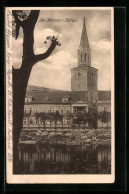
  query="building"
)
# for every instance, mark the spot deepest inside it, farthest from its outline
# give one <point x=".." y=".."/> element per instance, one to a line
<point x="83" y="97"/>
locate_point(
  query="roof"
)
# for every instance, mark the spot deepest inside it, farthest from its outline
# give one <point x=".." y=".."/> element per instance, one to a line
<point x="83" y="67"/>
<point x="104" y="95"/>
<point x="28" y="96"/>
<point x="55" y="97"/>
<point x="84" y="43"/>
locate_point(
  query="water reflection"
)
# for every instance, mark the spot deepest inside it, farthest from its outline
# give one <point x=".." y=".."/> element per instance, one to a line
<point x="62" y="159"/>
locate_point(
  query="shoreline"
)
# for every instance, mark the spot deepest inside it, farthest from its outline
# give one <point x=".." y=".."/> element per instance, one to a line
<point x="69" y="137"/>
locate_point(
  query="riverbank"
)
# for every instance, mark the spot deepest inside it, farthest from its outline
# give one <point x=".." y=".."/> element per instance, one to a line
<point x="71" y="137"/>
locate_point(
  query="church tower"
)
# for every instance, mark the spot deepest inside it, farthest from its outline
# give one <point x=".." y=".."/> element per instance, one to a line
<point x="84" y="52"/>
<point x="84" y="77"/>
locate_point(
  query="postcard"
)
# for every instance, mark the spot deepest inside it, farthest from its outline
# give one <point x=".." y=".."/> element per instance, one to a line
<point x="60" y="95"/>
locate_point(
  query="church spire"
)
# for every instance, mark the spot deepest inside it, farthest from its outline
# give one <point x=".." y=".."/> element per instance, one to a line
<point x="84" y="43"/>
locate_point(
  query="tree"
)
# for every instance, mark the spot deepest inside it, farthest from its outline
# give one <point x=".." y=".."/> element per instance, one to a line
<point x="21" y="75"/>
<point x="37" y="117"/>
<point x="44" y="117"/>
<point x="79" y="118"/>
<point x="92" y="116"/>
<point x="50" y="117"/>
<point x="100" y="117"/>
<point x="27" y="116"/>
<point x="105" y="117"/>
<point x="62" y="120"/>
<point x="70" y="116"/>
<point x="56" y="118"/>
<point x="85" y="119"/>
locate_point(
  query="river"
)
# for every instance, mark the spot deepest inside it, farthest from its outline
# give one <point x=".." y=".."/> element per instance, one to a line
<point x="64" y="159"/>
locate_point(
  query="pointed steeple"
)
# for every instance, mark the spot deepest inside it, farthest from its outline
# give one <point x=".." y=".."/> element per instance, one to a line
<point x="84" y="43"/>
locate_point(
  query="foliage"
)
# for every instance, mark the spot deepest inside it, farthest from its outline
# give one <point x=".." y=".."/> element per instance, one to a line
<point x="104" y="117"/>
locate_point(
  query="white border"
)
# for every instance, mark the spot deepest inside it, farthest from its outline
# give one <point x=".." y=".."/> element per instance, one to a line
<point x="10" y="178"/>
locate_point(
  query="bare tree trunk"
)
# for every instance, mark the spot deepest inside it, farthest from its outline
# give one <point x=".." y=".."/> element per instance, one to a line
<point x="21" y="75"/>
<point x="50" y="124"/>
<point x="44" y="125"/>
<point x="55" y="125"/>
<point x="19" y="91"/>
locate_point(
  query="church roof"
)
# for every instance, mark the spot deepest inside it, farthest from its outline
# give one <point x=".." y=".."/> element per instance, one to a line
<point x="84" y="43"/>
<point x="55" y="97"/>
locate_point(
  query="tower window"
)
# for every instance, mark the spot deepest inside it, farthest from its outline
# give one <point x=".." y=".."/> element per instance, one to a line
<point x="81" y="57"/>
<point x="78" y="85"/>
<point x="85" y="57"/>
<point x="88" y="58"/>
<point x="79" y="75"/>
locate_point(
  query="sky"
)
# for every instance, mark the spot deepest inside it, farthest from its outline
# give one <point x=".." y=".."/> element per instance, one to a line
<point x="66" y="25"/>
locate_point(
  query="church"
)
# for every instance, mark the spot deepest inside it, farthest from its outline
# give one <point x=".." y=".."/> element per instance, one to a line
<point x="84" y="95"/>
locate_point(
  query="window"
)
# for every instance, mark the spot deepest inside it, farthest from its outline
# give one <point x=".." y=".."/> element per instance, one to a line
<point x="30" y="110"/>
<point x="75" y="110"/>
<point x="79" y="75"/>
<point x="31" y="121"/>
<point x="61" y="111"/>
<point x="105" y="109"/>
<point x="78" y="85"/>
<point x="85" y="110"/>
<point x="25" y="121"/>
<point x="85" y="56"/>
<point x="49" y="110"/>
<point x="67" y="111"/>
<point x="65" y="99"/>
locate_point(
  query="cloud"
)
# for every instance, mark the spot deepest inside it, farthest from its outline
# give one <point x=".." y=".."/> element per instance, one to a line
<point x="54" y="72"/>
<point x="102" y="46"/>
<point x="41" y="35"/>
<point x="101" y="59"/>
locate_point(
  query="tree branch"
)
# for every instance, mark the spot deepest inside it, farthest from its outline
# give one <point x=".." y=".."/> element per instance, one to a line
<point x="45" y="55"/>
<point x="33" y="17"/>
<point x="17" y="20"/>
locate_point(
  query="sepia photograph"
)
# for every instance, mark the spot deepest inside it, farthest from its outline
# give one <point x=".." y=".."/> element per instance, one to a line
<point x="60" y="95"/>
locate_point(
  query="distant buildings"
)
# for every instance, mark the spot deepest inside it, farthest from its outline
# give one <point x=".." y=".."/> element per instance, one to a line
<point x="83" y="97"/>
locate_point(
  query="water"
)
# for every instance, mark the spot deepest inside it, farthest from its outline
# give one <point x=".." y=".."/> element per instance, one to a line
<point x="64" y="159"/>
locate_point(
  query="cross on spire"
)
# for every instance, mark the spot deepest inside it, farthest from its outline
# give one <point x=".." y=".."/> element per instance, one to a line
<point x="84" y="43"/>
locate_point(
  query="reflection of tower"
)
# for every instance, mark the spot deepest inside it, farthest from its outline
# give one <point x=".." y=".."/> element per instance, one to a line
<point x="84" y="77"/>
